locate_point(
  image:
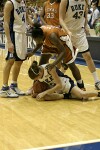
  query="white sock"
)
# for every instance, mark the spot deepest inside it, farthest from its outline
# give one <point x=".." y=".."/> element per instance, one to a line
<point x="14" y="82"/>
<point x="95" y="76"/>
<point x="80" y="81"/>
<point x="5" y="85"/>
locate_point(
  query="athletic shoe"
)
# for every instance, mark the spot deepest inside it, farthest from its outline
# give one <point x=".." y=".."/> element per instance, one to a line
<point x="29" y="91"/>
<point x="97" y="85"/>
<point x="15" y="88"/>
<point x="81" y="86"/>
<point x="7" y="92"/>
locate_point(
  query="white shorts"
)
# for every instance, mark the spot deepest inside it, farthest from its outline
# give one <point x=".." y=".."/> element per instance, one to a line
<point x="20" y="46"/>
<point x="67" y="84"/>
<point x="79" y="40"/>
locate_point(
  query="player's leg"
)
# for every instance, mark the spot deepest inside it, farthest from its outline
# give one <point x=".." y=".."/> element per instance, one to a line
<point x="45" y="55"/>
<point x="44" y="58"/>
<point x="6" y="71"/>
<point x="82" y="44"/>
<point x="80" y="94"/>
<point x="77" y="75"/>
<point x="70" y="61"/>
<point x="89" y="61"/>
<point x="6" y="91"/>
<point x="20" y="54"/>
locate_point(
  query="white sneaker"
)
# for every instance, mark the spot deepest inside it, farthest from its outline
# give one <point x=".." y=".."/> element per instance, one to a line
<point x="97" y="85"/>
<point x="29" y="91"/>
<point x="16" y="89"/>
<point x="8" y="94"/>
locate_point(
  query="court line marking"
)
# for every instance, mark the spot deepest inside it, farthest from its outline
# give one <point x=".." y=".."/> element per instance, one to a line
<point x="64" y="145"/>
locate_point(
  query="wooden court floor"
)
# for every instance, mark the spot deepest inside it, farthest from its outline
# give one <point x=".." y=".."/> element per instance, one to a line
<point x="26" y="123"/>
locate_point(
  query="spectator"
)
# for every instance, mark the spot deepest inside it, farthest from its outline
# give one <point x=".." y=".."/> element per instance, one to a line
<point x="94" y="14"/>
<point x="1" y="21"/>
<point x="97" y="27"/>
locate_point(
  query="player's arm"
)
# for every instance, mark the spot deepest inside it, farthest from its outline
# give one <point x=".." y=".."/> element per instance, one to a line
<point x="86" y="26"/>
<point x="62" y="51"/>
<point x="37" y="47"/>
<point x="7" y="13"/>
<point x="62" y="13"/>
<point x="42" y="14"/>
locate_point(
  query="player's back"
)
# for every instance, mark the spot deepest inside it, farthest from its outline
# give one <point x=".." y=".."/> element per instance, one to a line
<point x="48" y="30"/>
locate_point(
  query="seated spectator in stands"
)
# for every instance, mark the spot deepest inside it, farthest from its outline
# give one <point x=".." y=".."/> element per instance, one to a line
<point x="97" y="26"/>
<point x="94" y="14"/>
<point x="98" y="3"/>
<point x="36" y="18"/>
<point x="1" y="21"/>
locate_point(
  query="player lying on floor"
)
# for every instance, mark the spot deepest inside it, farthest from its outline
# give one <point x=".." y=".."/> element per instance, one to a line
<point x="63" y="87"/>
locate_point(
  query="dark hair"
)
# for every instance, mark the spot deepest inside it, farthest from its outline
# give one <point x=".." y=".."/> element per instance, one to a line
<point x="37" y="31"/>
<point x="94" y="2"/>
<point x="58" y="1"/>
<point x="33" y="71"/>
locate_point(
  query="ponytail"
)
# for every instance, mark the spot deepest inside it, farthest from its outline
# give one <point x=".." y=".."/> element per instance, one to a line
<point x="33" y="71"/>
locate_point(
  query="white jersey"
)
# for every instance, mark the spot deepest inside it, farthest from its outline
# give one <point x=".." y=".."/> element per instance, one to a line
<point x="74" y="18"/>
<point x="46" y="76"/>
<point x="66" y="81"/>
<point x="18" y="17"/>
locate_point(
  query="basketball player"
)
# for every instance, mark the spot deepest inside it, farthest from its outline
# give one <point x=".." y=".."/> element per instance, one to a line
<point x="50" y="13"/>
<point x="49" y="16"/>
<point x="57" y="42"/>
<point x="73" y="19"/>
<point x="15" y="17"/>
<point x="61" y="84"/>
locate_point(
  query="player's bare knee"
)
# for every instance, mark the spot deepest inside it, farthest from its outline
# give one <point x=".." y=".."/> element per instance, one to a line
<point x="83" y="94"/>
<point x="10" y="62"/>
<point x="87" y="56"/>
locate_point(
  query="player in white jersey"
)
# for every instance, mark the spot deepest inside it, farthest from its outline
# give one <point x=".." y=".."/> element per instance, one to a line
<point x="62" y="84"/>
<point x="15" y="18"/>
<point x="73" y="19"/>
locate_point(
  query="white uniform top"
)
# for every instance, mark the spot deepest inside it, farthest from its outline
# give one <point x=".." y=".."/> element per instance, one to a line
<point x="95" y="15"/>
<point x="74" y="18"/>
<point x="66" y="85"/>
<point x="19" y="16"/>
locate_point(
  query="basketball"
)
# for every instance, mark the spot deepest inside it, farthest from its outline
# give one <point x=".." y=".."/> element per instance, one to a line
<point x="39" y="87"/>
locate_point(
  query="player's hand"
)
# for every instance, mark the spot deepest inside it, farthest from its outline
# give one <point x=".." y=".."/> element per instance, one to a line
<point x="49" y="67"/>
<point x="34" y="95"/>
<point x="87" y="32"/>
<point x="10" y="47"/>
<point x="40" y="96"/>
<point x="28" y="55"/>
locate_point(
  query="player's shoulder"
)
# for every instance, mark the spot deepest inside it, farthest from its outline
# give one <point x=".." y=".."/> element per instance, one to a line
<point x="9" y="2"/>
<point x="9" y="5"/>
